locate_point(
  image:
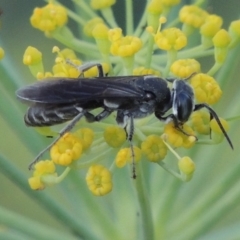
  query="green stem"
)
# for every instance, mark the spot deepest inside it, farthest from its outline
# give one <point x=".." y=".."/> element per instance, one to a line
<point x="142" y="23"/>
<point x="109" y="17"/>
<point x="85" y="8"/>
<point x="129" y="17"/>
<point x="172" y="55"/>
<point x="145" y="211"/>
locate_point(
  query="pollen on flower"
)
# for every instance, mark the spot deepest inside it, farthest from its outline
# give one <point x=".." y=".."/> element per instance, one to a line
<point x="186" y="166"/>
<point x="86" y="136"/>
<point x="32" y="56"/>
<point x="183" y="68"/>
<point x="192" y="16"/>
<point x="170" y="39"/>
<point x="146" y="71"/>
<point x="66" y="150"/>
<point x="206" y="89"/>
<point x="49" y="17"/>
<point x="99" y="180"/>
<point x="200" y="121"/>
<point x="114" y="136"/>
<point x="154" y="148"/>
<point x="177" y="138"/>
<point x="126" y="46"/>
<point x="215" y="127"/>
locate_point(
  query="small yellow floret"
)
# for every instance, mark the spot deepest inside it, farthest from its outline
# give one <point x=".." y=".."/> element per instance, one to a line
<point x="100" y="31"/>
<point x="41" y="170"/>
<point x="183" y="68"/>
<point x="99" y="180"/>
<point x="186" y="166"/>
<point x="63" y="69"/>
<point x="90" y="25"/>
<point x="178" y="139"/>
<point x="155" y="7"/>
<point x="193" y="16"/>
<point x="234" y="29"/>
<point x="124" y="156"/>
<point x="154" y="148"/>
<point x="146" y="71"/>
<point x="201" y="122"/>
<point x="114" y="136"/>
<point x="170" y="39"/>
<point x="93" y="71"/>
<point x="221" y="39"/>
<point x="211" y="26"/>
<point x="115" y="34"/>
<point x="215" y="127"/>
<point x="86" y="136"/>
<point x="32" y="56"/>
<point x="49" y="17"/>
<point x="206" y="89"/>
<point x="126" y="46"/>
<point x="66" y="150"/>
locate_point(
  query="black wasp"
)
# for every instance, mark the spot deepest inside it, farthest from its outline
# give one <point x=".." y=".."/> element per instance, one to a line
<point x="57" y="100"/>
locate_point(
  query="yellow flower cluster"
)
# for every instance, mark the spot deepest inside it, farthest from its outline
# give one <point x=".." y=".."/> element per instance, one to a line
<point x="123" y="46"/>
<point x="124" y="156"/>
<point x="99" y="180"/>
<point x="206" y="89"/>
<point x="44" y="173"/>
<point x="170" y="39"/>
<point x="183" y="68"/>
<point x="178" y="139"/>
<point x="154" y="148"/>
<point x="66" y="150"/>
<point x="49" y="17"/>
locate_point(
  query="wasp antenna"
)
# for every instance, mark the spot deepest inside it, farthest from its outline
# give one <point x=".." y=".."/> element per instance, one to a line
<point x="214" y="114"/>
<point x="61" y="133"/>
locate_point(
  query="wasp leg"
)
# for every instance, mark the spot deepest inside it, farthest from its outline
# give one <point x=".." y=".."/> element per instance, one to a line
<point x="214" y="115"/>
<point x="123" y="120"/>
<point x="172" y="117"/>
<point x="66" y="129"/>
<point x="86" y="66"/>
<point x="105" y="113"/>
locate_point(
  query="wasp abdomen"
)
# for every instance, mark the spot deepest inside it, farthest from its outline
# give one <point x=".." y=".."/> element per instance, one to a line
<point x="42" y="115"/>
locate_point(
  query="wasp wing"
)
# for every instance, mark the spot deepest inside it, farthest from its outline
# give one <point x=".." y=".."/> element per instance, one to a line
<point x="71" y="90"/>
